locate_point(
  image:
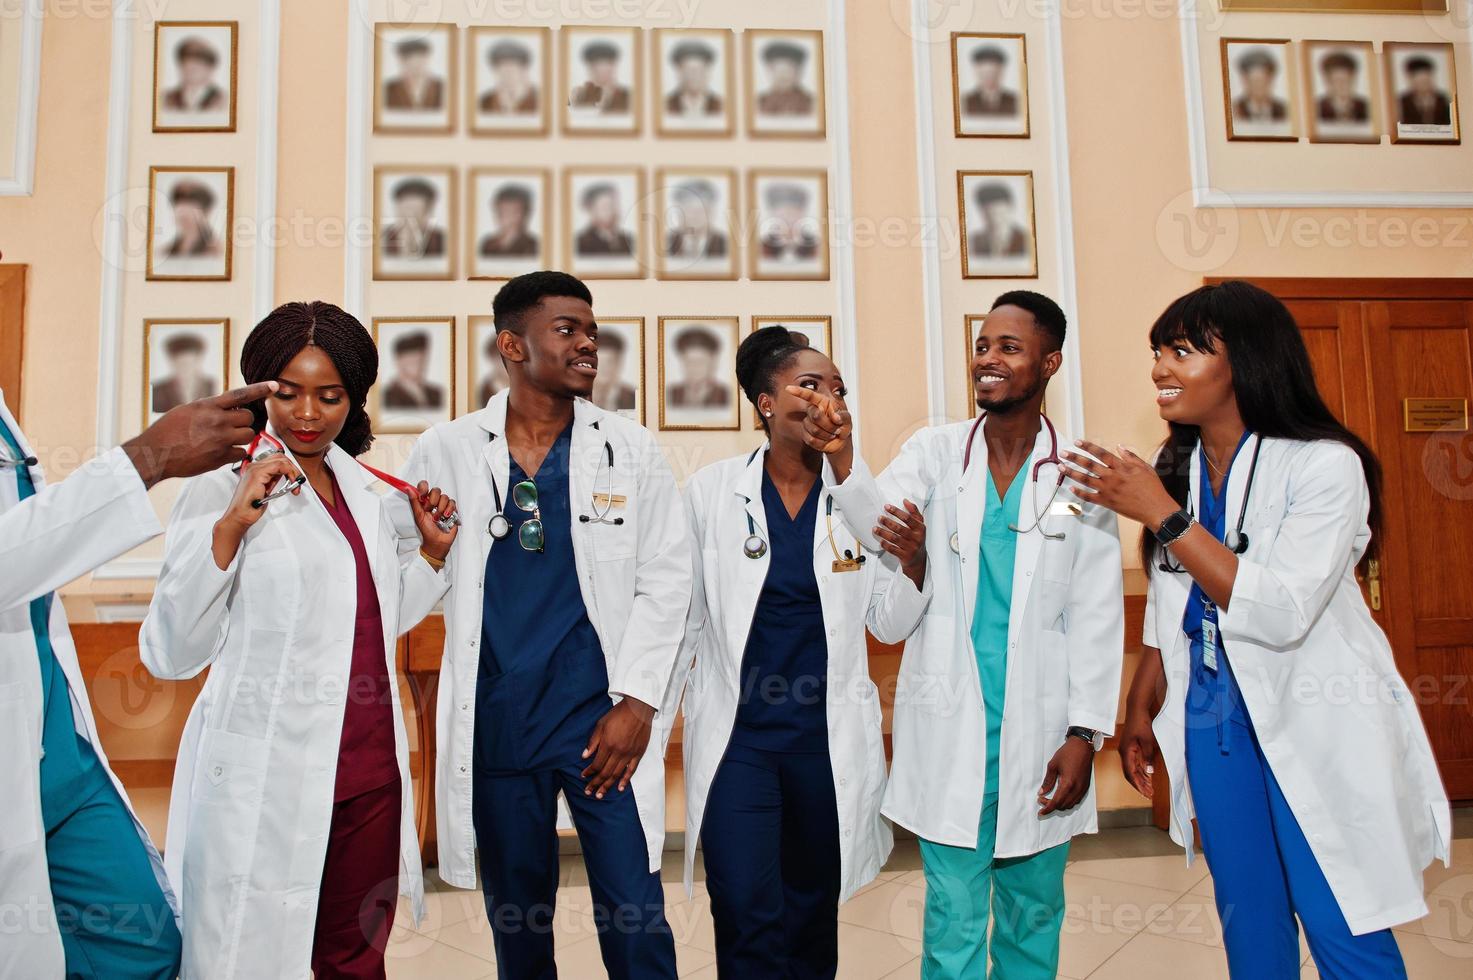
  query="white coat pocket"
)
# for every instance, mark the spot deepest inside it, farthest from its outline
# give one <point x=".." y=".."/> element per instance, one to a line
<point x="20" y="815"/>
<point x="231" y="768"/>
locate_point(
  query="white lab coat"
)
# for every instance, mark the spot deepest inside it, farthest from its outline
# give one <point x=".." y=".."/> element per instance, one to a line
<point x="1339" y="728"/>
<point x="251" y="805"/>
<point x="1065" y="645"/>
<point x="64" y="531"/>
<point x="634" y="578"/>
<point x="719" y="500"/>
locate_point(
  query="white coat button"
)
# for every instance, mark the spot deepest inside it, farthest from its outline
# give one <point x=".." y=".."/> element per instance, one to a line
<point x="219" y="770"/>
<point x="465" y="707"/>
<point x="833" y="632"/>
<point x="462" y="768"/>
<point x="471" y="642"/>
<point x="843" y="781"/>
<point x="848" y="833"/>
<point x="1028" y="574"/>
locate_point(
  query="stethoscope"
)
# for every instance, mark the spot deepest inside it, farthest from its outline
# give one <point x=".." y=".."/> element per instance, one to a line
<point x="1235" y="540"/>
<point x="1038" y="515"/>
<point x="274" y="447"/>
<point x="755" y="546"/>
<point x="7" y="462"/>
<point x="499" y="527"/>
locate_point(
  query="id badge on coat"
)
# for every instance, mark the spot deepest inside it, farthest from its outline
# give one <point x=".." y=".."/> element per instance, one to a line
<point x="1209" y="639"/>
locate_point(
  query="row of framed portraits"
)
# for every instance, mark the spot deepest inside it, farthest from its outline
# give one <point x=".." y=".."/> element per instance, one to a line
<point x="690" y="227"/>
<point x="185" y="359"/>
<point x="601" y="85"/>
<point x="1345" y="91"/>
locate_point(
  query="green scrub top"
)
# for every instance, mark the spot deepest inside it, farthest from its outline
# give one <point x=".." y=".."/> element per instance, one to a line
<point x="994" y="605"/>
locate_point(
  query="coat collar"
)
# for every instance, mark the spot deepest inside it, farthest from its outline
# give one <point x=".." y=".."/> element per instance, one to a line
<point x="492" y="418"/>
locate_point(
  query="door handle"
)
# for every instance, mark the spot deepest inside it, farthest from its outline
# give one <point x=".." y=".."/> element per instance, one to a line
<point x="1373" y="576"/>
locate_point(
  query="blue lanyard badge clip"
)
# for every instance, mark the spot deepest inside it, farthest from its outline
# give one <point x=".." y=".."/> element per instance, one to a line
<point x="1209" y="635"/>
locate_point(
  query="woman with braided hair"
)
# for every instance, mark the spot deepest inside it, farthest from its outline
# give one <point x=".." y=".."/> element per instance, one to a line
<point x="784" y="759"/>
<point x="291" y="831"/>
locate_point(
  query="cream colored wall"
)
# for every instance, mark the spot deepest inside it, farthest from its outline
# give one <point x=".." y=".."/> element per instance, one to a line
<point x="1128" y="165"/>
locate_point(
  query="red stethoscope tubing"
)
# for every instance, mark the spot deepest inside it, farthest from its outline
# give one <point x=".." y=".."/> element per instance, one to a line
<point x="393" y="481"/>
<point x="1052" y="457"/>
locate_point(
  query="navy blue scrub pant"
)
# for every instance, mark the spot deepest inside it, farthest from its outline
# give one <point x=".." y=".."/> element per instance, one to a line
<point x="515" y="818"/>
<point x="1263" y="871"/>
<point x="770" y="836"/>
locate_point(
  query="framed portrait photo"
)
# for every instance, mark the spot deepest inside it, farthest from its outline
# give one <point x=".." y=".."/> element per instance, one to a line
<point x="183" y="360"/>
<point x="416" y="383"/>
<point x="1338" y="75"/>
<point x="696" y="208"/>
<point x="695" y="75"/>
<point x="603" y="229"/>
<point x="194" y="76"/>
<point x="619" y="386"/>
<point x="1257" y="87"/>
<point x="999" y="238"/>
<point x="601" y="81"/>
<point x="698" y="384"/>
<point x="817" y="331"/>
<point x="785" y="83"/>
<point x="191" y="211"/>
<point x="509" y="81"/>
<point x="487" y="373"/>
<point x="509" y="222"/>
<point x="1422" y="93"/>
<point x="414" y="80"/>
<point x="790" y="230"/>
<point x="413" y="218"/>
<point x="989" y="84"/>
<point x="974" y="323"/>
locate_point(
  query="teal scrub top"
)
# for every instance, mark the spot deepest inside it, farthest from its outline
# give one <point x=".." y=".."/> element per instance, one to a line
<point x="67" y="759"/>
<point x="994" y="605"/>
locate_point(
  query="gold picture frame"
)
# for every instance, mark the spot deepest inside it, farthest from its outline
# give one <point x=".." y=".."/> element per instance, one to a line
<point x="751" y="97"/>
<point x="733" y="327"/>
<point x="728" y="177"/>
<point x="451" y="81"/>
<point x="1032" y="229"/>
<point x="725" y="41"/>
<point x="543" y="177"/>
<point x="636" y="325"/>
<point x="149" y="324"/>
<point x="159" y="29"/>
<point x="451" y="213"/>
<point x="1389" y="51"/>
<point x="571" y="210"/>
<point x="1312" y="122"/>
<point x="151" y="271"/>
<point x="754" y="214"/>
<point x="636" y="95"/>
<point x="972" y="322"/>
<point x="376" y="406"/>
<point x="1022" y="93"/>
<point x="545" y="95"/>
<point x="1291" y="101"/>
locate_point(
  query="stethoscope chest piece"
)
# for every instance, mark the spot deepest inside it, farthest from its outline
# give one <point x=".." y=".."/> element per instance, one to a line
<point x="499" y="527"/>
<point x="754" y="547"/>
<point x="956" y="543"/>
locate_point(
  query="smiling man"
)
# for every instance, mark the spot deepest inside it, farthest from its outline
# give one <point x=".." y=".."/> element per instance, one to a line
<point x="1023" y="585"/>
<point x="566" y="610"/>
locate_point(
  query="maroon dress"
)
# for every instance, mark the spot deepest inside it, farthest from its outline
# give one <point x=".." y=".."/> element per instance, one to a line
<point x="360" y="875"/>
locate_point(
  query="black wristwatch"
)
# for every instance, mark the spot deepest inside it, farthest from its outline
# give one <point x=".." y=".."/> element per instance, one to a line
<point x="1174" y="527"/>
<point x="1095" y="739"/>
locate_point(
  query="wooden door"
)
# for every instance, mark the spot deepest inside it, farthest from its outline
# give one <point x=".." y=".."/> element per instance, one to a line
<point x="12" y="332"/>
<point x="1374" y="344"/>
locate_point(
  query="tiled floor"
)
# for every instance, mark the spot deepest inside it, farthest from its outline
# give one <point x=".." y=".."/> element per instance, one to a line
<point x="1134" y="911"/>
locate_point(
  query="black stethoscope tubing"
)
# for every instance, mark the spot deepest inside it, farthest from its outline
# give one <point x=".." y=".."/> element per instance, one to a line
<point x="1236" y="541"/>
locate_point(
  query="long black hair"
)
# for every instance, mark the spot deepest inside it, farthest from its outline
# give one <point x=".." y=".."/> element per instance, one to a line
<point x="761" y="355"/>
<point x="1272" y="382"/>
<point x="290" y="328"/>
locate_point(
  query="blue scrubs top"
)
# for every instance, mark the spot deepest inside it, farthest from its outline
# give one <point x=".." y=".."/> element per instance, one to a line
<point x="543" y="682"/>
<point x="1211" y="695"/>
<point x="994" y="606"/>
<point x="784" y="682"/>
<point x="67" y="760"/>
